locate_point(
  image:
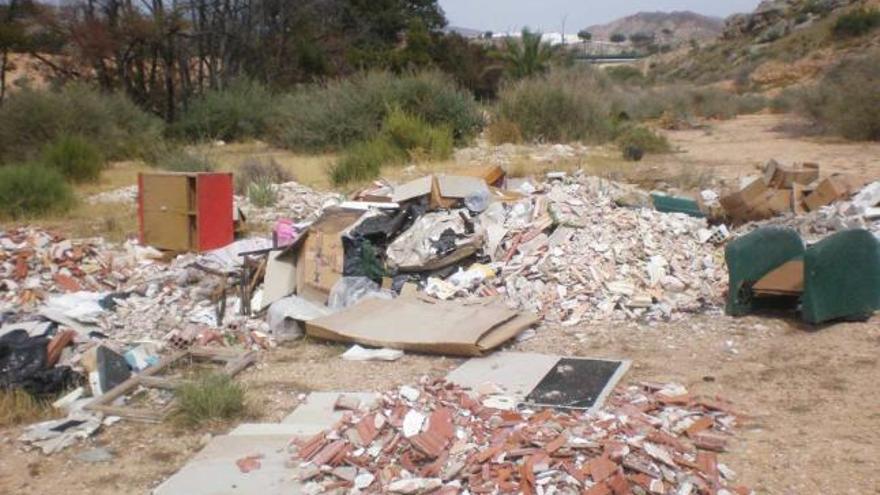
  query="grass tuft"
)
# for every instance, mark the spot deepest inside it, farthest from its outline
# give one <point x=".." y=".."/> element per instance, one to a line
<point x="212" y="397"/>
<point x="32" y="189"/>
<point x="17" y="407"/>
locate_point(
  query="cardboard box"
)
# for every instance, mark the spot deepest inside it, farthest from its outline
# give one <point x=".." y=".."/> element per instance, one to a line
<point x="832" y="189"/>
<point x="320" y="259"/>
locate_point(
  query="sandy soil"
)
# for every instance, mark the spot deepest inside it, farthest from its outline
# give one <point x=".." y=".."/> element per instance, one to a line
<point x="811" y="395"/>
<point x="739" y="147"/>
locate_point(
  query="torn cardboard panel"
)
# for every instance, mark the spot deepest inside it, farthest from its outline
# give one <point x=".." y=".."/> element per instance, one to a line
<point x="320" y="260"/>
<point x="787" y="280"/>
<point x="436" y="327"/>
<point x="280" y="279"/>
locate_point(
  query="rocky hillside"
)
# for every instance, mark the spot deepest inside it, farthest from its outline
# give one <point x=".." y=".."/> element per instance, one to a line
<point x="671" y="27"/>
<point x="781" y="43"/>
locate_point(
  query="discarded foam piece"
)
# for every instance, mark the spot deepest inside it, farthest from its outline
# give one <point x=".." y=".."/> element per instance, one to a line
<point x="750" y="258"/>
<point x="520" y="374"/>
<point x="842" y="277"/>
<point x="284" y="316"/>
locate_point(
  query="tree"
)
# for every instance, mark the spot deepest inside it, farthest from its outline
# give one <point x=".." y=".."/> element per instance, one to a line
<point x="585" y="35"/>
<point x="618" y="38"/>
<point x="527" y="56"/>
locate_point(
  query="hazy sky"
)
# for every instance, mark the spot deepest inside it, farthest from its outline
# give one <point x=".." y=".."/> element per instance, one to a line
<point x="546" y="15"/>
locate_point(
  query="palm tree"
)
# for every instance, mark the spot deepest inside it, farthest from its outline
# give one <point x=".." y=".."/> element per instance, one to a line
<point x="527" y="56"/>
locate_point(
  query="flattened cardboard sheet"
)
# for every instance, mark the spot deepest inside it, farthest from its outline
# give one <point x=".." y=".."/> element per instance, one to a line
<point x="415" y="324"/>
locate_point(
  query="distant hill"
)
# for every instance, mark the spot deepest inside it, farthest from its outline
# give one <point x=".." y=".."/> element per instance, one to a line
<point x="669" y="27"/>
<point x="779" y="44"/>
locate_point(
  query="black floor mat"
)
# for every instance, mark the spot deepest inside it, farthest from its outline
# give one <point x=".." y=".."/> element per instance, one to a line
<point x="574" y="383"/>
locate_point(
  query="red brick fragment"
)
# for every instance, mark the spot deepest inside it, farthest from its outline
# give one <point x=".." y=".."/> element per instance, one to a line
<point x="366" y="429"/>
<point x="429" y="443"/>
<point x="619" y="484"/>
<point x="67" y="283"/>
<point x="710" y="441"/>
<point x="440" y="422"/>
<point x="329" y="452"/>
<point x="708" y="465"/>
<point x="700" y="425"/>
<point x="555" y="444"/>
<point x="61" y="340"/>
<point x="249" y="463"/>
<point x="601" y="468"/>
<point x="598" y="489"/>
<point x="488" y="453"/>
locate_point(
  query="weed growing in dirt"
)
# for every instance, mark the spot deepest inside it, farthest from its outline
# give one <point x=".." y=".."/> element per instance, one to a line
<point x="75" y="157"/>
<point x="259" y="170"/>
<point x="18" y="407"/>
<point x="643" y="138"/>
<point x="262" y="193"/>
<point x="180" y="160"/>
<point x="209" y="398"/>
<point x="502" y="131"/>
<point x="32" y="189"/>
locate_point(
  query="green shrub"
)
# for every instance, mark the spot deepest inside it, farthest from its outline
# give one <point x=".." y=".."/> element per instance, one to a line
<point x="688" y="101"/>
<point x="76" y="158"/>
<point x="363" y="161"/>
<point x="502" y="131"/>
<point x="625" y="74"/>
<point x="30" y="119"/>
<point x="210" y="397"/>
<point x="856" y="23"/>
<point x="242" y="110"/>
<point x="414" y="135"/>
<point x="644" y="139"/>
<point x="340" y="113"/>
<point x="846" y="101"/>
<point x="262" y="193"/>
<point x="256" y="170"/>
<point x="32" y="189"/>
<point x="568" y="105"/>
<point x="180" y="160"/>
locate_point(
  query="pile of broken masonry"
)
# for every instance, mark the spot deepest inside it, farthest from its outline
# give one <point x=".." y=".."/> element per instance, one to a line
<point x="559" y="249"/>
<point x="441" y="439"/>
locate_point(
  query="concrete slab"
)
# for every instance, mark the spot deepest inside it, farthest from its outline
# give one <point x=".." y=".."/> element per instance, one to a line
<point x="213" y="470"/>
<point x="317" y="413"/>
<point x="288" y="430"/>
<point x="516" y="372"/>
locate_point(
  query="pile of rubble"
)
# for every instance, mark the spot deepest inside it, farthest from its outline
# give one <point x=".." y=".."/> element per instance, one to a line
<point x="294" y="201"/>
<point x="442" y="439"/>
<point x="508" y="154"/>
<point x="606" y="262"/>
<point x="35" y="263"/>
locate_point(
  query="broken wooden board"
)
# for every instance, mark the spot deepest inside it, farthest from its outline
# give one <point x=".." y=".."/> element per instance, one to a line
<point x="233" y="361"/>
<point x="415" y="324"/>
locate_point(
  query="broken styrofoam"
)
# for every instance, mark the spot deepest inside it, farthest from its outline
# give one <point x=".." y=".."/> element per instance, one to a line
<point x="358" y="353"/>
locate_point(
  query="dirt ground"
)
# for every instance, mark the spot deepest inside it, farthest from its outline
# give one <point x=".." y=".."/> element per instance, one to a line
<point x="810" y="394"/>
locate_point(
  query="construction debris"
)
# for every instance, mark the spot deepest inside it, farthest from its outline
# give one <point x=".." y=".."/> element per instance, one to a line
<point x="650" y="438"/>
